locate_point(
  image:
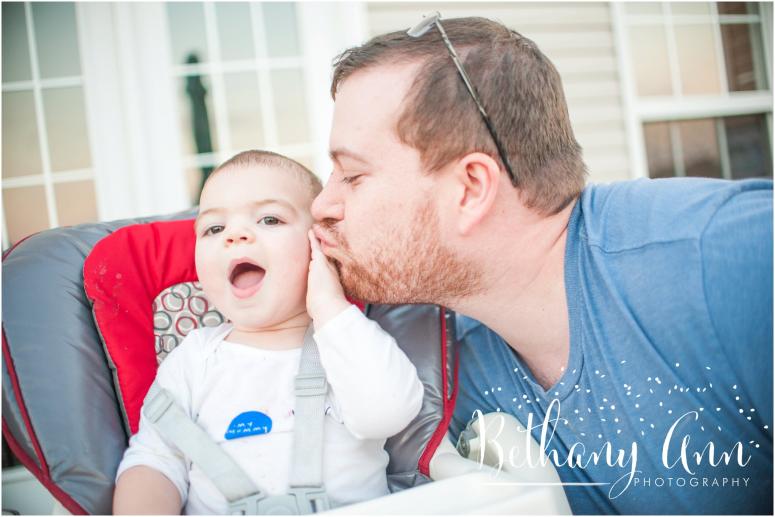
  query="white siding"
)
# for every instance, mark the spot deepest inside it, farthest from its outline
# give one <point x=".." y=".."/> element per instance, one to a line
<point x="578" y="38"/>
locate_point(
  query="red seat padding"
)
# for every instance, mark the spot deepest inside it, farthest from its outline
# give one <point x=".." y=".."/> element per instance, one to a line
<point x="123" y="274"/>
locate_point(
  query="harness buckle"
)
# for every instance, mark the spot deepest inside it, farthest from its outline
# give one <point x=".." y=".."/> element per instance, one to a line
<point x="298" y="501"/>
<point x="247" y="505"/>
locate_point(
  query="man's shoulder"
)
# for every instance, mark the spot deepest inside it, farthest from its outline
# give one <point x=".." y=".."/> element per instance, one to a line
<point x="632" y="214"/>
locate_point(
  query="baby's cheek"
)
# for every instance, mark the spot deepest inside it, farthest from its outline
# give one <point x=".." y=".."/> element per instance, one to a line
<point x="208" y="278"/>
<point x="200" y="260"/>
<point x="298" y="269"/>
<point x="296" y="273"/>
<point x="299" y="252"/>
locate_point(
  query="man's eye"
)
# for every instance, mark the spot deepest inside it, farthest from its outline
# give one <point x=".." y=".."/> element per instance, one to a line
<point x="269" y="220"/>
<point x="212" y="230"/>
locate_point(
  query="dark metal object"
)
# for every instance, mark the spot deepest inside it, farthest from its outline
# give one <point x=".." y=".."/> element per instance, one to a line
<point x="200" y="120"/>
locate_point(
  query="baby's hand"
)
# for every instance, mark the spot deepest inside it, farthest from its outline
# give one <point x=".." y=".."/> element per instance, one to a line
<point x="325" y="296"/>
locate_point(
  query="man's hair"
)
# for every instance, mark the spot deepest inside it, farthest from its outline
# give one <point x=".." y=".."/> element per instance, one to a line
<point x="518" y="86"/>
<point x="254" y="158"/>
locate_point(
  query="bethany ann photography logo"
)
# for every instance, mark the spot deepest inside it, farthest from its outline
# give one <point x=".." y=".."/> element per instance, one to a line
<point x="679" y="456"/>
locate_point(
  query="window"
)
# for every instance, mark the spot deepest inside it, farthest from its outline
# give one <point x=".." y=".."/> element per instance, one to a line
<point x="724" y="147"/>
<point x="699" y="88"/>
<point x="47" y="176"/>
<point x="240" y="79"/>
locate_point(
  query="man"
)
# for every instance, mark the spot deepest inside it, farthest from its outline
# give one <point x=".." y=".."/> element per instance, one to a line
<point x="636" y="317"/>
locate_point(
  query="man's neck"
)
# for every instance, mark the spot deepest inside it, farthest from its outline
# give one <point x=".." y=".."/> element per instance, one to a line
<point x="524" y="298"/>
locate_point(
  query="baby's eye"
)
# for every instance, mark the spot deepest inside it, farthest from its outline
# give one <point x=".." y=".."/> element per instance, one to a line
<point x="269" y="220"/>
<point x="212" y="230"/>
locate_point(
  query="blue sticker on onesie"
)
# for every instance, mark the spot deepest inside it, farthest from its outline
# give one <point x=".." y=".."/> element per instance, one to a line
<point x="248" y="423"/>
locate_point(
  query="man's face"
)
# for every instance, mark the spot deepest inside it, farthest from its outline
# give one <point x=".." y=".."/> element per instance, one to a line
<point x="377" y="216"/>
<point x="252" y="249"/>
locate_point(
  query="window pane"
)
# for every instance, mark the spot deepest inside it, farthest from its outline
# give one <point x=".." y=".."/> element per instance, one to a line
<point x="76" y="202"/>
<point x="697" y="59"/>
<point x="244" y="110"/>
<point x="649" y="53"/>
<point x="21" y="154"/>
<point x="643" y="7"/>
<point x="234" y="30"/>
<point x="737" y="7"/>
<point x="68" y="142"/>
<point x="749" y="146"/>
<point x="195" y="108"/>
<point x="659" y="149"/>
<point x="743" y="55"/>
<point x="281" y="30"/>
<point x="16" y="55"/>
<point x="694" y="8"/>
<point x="25" y="211"/>
<point x="56" y="38"/>
<point x="187" y="31"/>
<point x="290" y="106"/>
<point x="700" y="148"/>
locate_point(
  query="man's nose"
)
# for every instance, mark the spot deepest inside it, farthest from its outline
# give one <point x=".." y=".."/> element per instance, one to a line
<point x="239" y="234"/>
<point x="327" y="205"/>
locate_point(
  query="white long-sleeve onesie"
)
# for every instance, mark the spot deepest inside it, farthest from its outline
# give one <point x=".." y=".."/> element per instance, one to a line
<point x="374" y="392"/>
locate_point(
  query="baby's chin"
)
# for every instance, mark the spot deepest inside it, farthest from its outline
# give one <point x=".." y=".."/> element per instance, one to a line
<point x="254" y="325"/>
<point x="283" y="335"/>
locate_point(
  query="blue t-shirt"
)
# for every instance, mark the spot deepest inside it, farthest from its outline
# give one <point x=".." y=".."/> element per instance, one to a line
<point x="669" y="288"/>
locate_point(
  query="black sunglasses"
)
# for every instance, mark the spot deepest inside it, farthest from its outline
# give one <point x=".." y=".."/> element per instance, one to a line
<point x="424" y="26"/>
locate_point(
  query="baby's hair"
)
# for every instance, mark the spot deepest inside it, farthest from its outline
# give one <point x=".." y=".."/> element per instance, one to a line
<point x="269" y="159"/>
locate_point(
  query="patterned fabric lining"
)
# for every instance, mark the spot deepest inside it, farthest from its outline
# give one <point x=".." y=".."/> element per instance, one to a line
<point x="178" y="310"/>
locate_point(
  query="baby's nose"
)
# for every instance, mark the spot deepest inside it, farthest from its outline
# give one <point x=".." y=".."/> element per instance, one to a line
<point x="241" y="235"/>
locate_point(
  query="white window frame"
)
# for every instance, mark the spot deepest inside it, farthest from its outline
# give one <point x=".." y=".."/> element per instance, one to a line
<point x="215" y="68"/>
<point x="325" y="29"/>
<point x="639" y="110"/>
<point x="47" y="178"/>
<point x="130" y="102"/>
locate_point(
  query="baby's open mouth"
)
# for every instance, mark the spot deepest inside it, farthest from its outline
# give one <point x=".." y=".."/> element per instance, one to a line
<point x="246" y="275"/>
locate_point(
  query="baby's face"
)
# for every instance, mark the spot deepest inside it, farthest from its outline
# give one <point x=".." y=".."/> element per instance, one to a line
<point x="252" y="250"/>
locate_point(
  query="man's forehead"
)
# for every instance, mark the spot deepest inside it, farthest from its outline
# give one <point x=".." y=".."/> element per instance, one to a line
<point x="386" y="82"/>
<point x="370" y="100"/>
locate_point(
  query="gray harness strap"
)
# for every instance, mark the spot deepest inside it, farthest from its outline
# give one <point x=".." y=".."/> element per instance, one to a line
<point x="310" y="389"/>
<point x="169" y="419"/>
<point x="306" y="493"/>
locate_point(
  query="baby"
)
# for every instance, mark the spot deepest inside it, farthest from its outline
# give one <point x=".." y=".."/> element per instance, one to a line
<point x="261" y="266"/>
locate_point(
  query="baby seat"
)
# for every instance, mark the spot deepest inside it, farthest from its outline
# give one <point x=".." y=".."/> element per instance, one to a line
<point x="73" y="389"/>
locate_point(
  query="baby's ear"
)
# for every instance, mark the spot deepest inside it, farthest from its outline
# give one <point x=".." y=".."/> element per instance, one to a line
<point x="477" y="177"/>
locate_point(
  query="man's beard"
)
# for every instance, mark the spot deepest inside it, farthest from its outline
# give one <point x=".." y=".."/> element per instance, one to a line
<point x="413" y="267"/>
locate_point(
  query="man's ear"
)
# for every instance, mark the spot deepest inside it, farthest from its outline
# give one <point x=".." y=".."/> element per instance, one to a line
<point x="478" y="177"/>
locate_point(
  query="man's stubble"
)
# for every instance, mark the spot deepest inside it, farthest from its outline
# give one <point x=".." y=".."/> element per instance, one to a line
<point x="412" y="266"/>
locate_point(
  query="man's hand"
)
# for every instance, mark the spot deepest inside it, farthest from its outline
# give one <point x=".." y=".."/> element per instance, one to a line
<point x="325" y="297"/>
